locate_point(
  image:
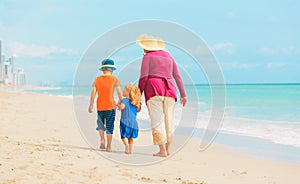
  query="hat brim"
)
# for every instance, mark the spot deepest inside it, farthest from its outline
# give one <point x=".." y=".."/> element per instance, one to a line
<point x="107" y="68"/>
<point x="150" y="43"/>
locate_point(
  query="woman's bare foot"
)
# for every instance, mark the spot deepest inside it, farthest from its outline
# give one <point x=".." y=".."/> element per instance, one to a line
<point x="168" y="148"/>
<point x="160" y="154"/>
<point x="127" y="149"/>
<point x="168" y="152"/>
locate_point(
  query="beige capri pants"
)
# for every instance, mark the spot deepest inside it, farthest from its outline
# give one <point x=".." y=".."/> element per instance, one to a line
<point x="161" y="112"/>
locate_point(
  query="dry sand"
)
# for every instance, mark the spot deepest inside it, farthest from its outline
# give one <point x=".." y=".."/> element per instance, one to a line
<point x="41" y="143"/>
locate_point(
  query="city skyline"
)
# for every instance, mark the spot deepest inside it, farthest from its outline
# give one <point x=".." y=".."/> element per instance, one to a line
<point x="9" y="73"/>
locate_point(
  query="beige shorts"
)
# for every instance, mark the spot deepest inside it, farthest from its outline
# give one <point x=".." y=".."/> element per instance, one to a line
<point x="161" y="112"/>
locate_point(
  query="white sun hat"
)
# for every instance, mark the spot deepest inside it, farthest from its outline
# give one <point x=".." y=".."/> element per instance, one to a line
<point x="150" y="43"/>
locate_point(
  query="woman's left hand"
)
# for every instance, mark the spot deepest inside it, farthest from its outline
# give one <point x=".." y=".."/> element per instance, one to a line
<point x="183" y="101"/>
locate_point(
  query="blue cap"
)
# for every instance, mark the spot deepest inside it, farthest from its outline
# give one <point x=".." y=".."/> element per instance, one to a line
<point x="108" y="64"/>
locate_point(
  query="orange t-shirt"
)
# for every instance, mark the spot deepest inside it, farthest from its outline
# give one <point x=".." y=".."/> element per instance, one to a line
<point x="105" y="86"/>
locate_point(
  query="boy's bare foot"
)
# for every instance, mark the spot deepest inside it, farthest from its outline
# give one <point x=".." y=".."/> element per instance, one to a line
<point x="108" y="149"/>
<point x="127" y="149"/>
<point x="160" y="154"/>
<point x="102" y="145"/>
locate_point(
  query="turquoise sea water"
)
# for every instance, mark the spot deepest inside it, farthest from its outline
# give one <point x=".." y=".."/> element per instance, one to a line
<point x="266" y="111"/>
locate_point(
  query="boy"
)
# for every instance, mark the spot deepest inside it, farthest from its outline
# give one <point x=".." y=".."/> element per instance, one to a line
<point x="106" y="106"/>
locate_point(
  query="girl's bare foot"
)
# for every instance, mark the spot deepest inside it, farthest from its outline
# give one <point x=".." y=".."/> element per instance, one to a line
<point x="127" y="149"/>
<point x="130" y="148"/>
<point x="108" y="149"/>
<point x="160" y="154"/>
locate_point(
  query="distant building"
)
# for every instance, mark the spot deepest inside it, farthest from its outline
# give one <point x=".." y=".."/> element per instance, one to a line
<point x="12" y="60"/>
<point x="19" y="78"/>
<point x="9" y="74"/>
<point x="0" y="51"/>
<point x="1" y="73"/>
<point x="1" y="68"/>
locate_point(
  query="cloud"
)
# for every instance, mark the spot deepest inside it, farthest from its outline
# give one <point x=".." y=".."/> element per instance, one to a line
<point x="267" y="51"/>
<point x="291" y="50"/>
<point x="201" y="50"/>
<point x="286" y="51"/>
<point x="231" y="15"/>
<point x="274" y="19"/>
<point x="240" y="65"/>
<point x="223" y="48"/>
<point x="32" y="50"/>
<point x="276" y="65"/>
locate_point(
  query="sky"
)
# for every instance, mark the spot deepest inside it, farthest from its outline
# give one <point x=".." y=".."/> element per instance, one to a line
<point x="253" y="41"/>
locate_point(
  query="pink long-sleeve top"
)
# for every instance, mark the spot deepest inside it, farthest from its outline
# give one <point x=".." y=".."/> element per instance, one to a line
<point x="159" y="75"/>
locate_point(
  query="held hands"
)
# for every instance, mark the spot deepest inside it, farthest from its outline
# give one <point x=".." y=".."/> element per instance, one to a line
<point x="139" y="108"/>
<point x="120" y="106"/>
<point x="183" y="101"/>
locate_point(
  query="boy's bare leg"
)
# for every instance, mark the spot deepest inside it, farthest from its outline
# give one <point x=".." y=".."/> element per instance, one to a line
<point x="124" y="140"/>
<point x="130" y="142"/>
<point x="109" y="139"/>
<point x="102" y="139"/>
<point x="168" y="148"/>
<point x="162" y="151"/>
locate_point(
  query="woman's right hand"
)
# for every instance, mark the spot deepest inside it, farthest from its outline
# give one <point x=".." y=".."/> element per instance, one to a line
<point x="183" y="101"/>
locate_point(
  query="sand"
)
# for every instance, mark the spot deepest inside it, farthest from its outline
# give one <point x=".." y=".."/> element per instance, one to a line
<point x="41" y="143"/>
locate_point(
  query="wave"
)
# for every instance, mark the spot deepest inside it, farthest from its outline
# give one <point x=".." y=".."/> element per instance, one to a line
<point x="43" y="88"/>
<point x="279" y="132"/>
<point x="65" y="96"/>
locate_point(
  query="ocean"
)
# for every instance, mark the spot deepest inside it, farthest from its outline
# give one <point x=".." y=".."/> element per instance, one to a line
<point x="266" y="112"/>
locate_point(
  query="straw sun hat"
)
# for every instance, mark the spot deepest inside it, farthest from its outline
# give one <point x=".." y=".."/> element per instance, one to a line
<point x="150" y="43"/>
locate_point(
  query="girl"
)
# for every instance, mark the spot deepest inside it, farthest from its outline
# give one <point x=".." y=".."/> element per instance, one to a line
<point x="130" y="105"/>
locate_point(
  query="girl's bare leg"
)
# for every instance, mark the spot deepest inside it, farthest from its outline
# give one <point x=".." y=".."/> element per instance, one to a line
<point x="124" y="140"/>
<point x="130" y="142"/>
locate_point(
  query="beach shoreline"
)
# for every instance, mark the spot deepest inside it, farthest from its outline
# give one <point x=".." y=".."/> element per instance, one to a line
<point x="40" y="142"/>
<point x="251" y="146"/>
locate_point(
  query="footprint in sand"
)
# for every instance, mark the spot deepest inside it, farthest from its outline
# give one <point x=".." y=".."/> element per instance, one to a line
<point x="190" y="182"/>
<point x="126" y="174"/>
<point x="39" y="148"/>
<point x="145" y="179"/>
<point x="238" y="173"/>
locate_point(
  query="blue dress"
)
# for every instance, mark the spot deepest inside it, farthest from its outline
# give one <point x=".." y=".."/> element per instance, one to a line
<point x="128" y="124"/>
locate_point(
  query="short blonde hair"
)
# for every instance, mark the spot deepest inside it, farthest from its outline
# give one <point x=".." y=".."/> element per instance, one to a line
<point x="134" y="94"/>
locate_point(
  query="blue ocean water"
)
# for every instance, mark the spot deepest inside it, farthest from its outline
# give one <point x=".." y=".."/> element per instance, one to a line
<point x="265" y="111"/>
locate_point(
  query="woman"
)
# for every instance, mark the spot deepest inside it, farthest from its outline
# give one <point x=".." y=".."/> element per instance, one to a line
<point x="158" y="78"/>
